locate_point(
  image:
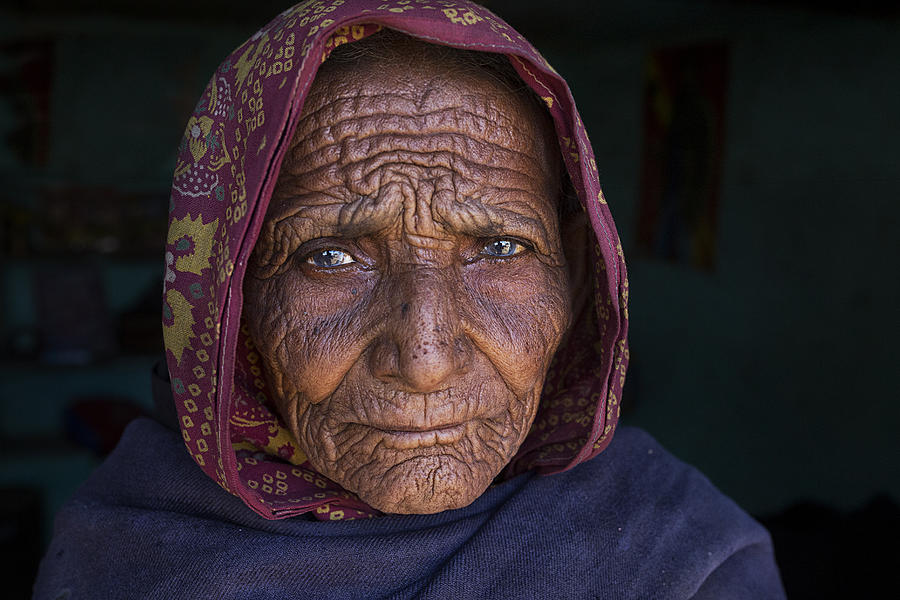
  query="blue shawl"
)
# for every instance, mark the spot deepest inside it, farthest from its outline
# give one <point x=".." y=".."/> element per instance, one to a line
<point x="150" y="524"/>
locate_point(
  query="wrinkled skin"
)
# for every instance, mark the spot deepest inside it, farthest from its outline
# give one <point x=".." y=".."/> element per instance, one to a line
<point x="409" y="288"/>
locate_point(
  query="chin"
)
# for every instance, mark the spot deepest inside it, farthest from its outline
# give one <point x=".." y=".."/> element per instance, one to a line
<point x="413" y="504"/>
<point x="426" y="485"/>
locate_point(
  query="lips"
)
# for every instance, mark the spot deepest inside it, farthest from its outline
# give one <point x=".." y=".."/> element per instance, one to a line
<point x="408" y="439"/>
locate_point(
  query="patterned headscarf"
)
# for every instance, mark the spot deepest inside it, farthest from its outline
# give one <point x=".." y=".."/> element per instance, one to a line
<point x="227" y="166"/>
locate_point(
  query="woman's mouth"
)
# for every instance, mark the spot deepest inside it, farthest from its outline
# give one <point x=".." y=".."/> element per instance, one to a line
<point x="411" y="438"/>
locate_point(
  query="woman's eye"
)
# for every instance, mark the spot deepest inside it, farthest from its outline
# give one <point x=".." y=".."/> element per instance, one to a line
<point x="326" y="259"/>
<point x="503" y="248"/>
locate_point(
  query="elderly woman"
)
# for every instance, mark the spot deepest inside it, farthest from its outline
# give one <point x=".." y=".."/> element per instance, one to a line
<point x="394" y="302"/>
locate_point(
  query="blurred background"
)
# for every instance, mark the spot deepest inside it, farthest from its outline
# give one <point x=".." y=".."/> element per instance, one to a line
<point x="749" y="152"/>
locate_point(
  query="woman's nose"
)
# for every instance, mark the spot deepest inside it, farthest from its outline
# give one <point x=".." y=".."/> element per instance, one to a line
<point x="424" y="345"/>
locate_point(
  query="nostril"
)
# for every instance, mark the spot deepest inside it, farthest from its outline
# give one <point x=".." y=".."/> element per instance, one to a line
<point x="384" y="359"/>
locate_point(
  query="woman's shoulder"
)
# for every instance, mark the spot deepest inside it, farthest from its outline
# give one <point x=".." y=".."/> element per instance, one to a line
<point x="639" y="489"/>
<point x="148" y="460"/>
<point x="640" y="477"/>
<point x="661" y="521"/>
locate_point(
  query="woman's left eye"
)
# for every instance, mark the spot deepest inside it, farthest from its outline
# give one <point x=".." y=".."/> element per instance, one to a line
<point x="503" y="247"/>
<point x="326" y="259"/>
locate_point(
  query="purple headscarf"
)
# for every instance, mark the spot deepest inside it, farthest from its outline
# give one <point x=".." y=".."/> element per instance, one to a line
<point x="227" y="166"/>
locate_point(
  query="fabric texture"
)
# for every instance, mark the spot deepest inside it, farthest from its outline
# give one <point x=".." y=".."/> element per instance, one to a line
<point x="226" y="168"/>
<point x="632" y="523"/>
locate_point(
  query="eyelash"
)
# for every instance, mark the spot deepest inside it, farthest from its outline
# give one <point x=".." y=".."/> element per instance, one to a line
<point x="519" y="247"/>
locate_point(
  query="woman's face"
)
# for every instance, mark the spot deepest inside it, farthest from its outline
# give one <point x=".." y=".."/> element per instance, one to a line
<point x="408" y="289"/>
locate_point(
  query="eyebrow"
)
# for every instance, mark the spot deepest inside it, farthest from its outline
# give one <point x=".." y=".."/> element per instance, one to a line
<point x="479" y="219"/>
<point x="367" y="217"/>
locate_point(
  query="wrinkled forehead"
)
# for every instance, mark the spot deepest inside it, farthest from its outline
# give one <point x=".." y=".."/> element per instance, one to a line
<point x="415" y="76"/>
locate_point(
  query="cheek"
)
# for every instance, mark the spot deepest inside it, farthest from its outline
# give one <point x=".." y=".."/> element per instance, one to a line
<point x="518" y="313"/>
<point x="309" y="333"/>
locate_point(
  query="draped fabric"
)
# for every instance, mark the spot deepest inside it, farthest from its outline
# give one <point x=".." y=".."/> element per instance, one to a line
<point x="632" y="524"/>
<point x="227" y="165"/>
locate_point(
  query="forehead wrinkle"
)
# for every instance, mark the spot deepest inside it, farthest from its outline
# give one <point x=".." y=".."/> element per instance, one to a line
<point x="365" y="175"/>
<point x="304" y="221"/>
<point x="337" y="117"/>
<point x="502" y="146"/>
<point x="444" y="118"/>
<point x="318" y="186"/>
<point x="515" y="190"/>
<point x="323" y="106"/>
<point x="368" y="215"/>
<point x="451" y="188"/>
<point x="353" y="164"/>
<point x="292" y="185"/>
<point x="330" y="218"/>
<point x="352" y="143"/>
<point x="353" y="177"/>
<point x="428" y="142"/>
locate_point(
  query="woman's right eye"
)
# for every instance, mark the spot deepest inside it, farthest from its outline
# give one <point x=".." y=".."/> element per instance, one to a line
<point x="328" y="259"/>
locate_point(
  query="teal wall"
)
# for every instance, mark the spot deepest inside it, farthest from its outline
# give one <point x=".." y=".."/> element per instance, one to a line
<point x="777" y="373"/>
<point x="122" y="89"/>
